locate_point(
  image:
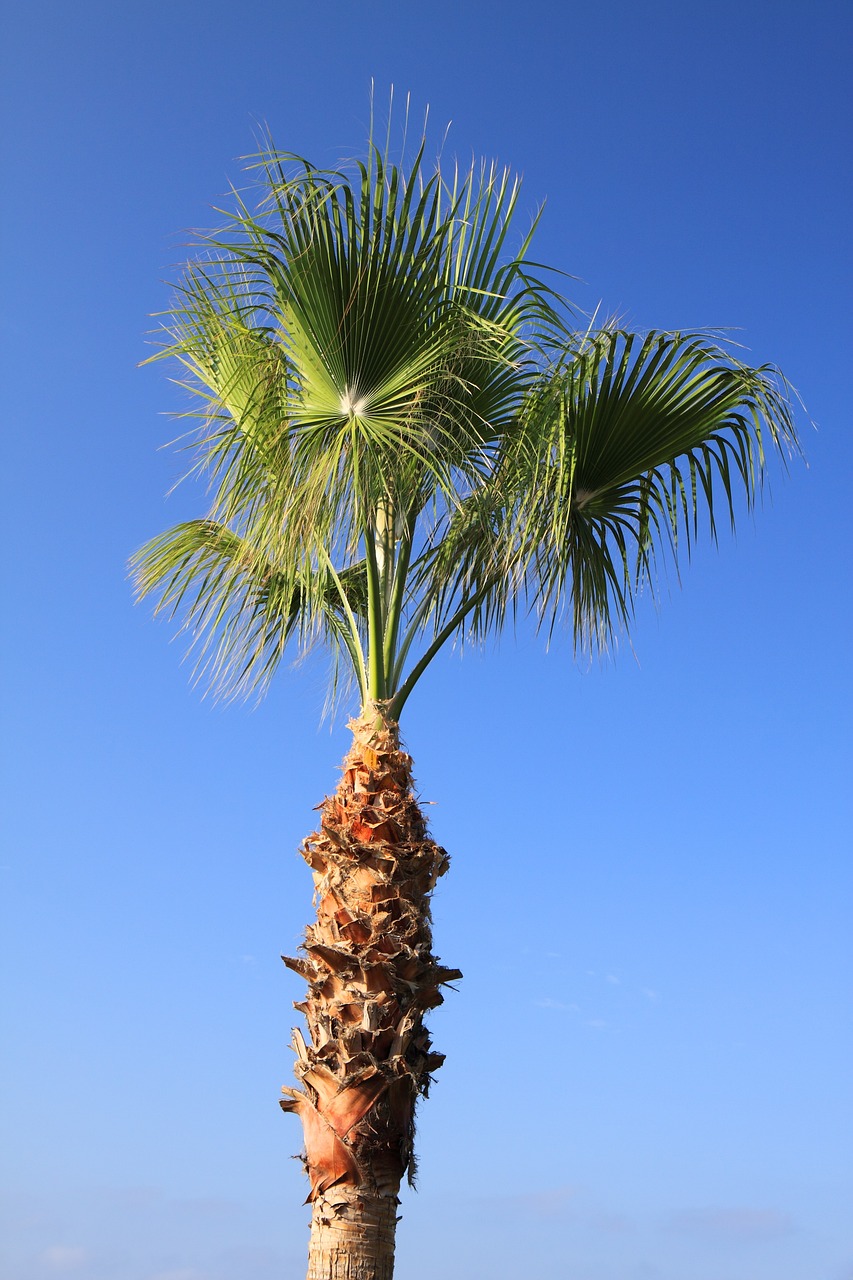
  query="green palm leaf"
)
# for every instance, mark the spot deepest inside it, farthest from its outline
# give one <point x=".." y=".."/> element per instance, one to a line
<point x="639" y="437"/>
<point x="243" y="606"/>
<point x="406" y="441"/>
<point x="619" y="449"/>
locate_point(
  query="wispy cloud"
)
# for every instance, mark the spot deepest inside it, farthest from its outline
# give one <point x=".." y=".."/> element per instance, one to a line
<point x="64" y="1257"/>
<point x="555" y="1202"/>
<point x="181" y="1273"/>
<point x="614" y="1224"/>
<point x="732" y="1224"/>
<point x="547" y="1002"/>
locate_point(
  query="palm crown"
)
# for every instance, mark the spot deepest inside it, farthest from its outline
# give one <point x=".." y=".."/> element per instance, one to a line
<point x="406" y="438"/>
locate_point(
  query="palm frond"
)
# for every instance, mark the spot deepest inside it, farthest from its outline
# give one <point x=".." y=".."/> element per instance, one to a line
<point x="637" y="440"/>
<point x="405" y="441"/>
<point x="242" y="607"/>
<point x="402" y="325"/>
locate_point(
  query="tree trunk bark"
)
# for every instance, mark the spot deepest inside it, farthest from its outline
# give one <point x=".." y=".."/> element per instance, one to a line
<point x="352" y="1236"/>
<point x="371" y="979"/>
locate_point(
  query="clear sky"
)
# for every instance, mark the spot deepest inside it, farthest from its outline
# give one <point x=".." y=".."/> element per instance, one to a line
<point x="648" y="1073"/>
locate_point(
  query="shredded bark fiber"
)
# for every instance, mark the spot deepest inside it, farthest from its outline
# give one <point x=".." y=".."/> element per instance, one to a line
<point x="371" y="977"/>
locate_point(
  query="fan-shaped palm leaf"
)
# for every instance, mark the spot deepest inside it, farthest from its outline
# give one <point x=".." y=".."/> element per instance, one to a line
<point x="406" y="441"/>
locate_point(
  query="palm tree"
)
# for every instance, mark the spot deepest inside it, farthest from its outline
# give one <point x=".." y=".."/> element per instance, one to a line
<point x="407" y="442"/>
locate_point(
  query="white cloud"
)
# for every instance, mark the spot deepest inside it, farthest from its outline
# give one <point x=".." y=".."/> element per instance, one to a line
<point x="181" y="1273"/>
<point x="732" y="1224"/>
<point x="548" y="1003"/>
<point x="64" y="1257"/>
<point x="553" y="1203"/>
<point x="616" y="1224"/>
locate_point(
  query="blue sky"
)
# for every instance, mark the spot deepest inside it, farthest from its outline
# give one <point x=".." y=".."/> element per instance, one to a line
<point x="648" y="1058"/>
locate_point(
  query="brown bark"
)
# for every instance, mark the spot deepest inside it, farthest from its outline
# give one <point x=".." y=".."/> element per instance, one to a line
<point x="352" y="1235"/>
<point x="371" y="977"/>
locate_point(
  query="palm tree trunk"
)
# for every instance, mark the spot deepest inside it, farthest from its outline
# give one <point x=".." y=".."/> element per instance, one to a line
<point x="352" y="1235"/>
<point x="372" y="977"/>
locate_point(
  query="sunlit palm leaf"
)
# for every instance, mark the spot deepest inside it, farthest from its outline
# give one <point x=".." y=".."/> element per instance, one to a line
<point x="241" y="606"/>
<point x="616" y="455"/>
<point x="639" y="437"/>
<point x="406" y="442"/>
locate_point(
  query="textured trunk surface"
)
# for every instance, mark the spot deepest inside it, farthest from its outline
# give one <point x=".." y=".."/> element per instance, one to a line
<point x="371" y="978"/>
<point x="352" y="1235"/>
